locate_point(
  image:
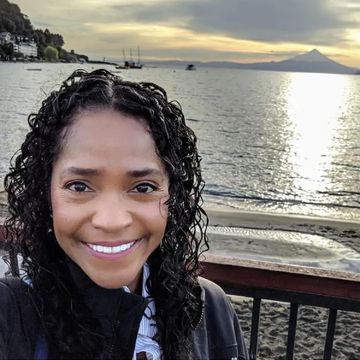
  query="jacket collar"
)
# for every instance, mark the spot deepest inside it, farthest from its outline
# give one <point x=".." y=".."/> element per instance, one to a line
<point x="118" y="311"/>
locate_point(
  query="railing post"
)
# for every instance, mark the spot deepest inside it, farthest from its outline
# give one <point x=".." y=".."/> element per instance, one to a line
<point x="292" y="331"/>
<point x="330" y="334"/>
<point x="254" y="327"/>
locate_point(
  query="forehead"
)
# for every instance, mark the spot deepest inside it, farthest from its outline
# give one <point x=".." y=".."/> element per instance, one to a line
<point x="107" y="135"/>
<point x="104" y="119"/>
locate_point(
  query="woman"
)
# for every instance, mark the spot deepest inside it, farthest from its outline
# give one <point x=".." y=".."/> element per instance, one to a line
<point x="105" y="204"/>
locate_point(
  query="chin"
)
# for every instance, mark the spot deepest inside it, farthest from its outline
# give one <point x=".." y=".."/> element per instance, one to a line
<point x="107" y="283"/>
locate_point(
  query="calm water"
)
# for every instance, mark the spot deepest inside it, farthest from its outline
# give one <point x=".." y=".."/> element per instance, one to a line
<point x="270" y="141"/>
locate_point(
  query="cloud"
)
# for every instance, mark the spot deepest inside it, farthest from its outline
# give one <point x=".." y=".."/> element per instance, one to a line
<point x="317" y="21"/>
<point x="235" y="30"/>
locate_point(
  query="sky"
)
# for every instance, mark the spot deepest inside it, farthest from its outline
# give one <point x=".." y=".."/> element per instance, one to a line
<point x="203" y="30"/>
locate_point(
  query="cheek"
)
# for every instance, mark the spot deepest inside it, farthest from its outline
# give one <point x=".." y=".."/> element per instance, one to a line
<point x="155" y="216"/>
<point x="63" y="215"/>
<point x="163" y="208"/>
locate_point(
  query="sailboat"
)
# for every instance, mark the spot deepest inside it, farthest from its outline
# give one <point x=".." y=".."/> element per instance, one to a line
<point x="130" y="64"/>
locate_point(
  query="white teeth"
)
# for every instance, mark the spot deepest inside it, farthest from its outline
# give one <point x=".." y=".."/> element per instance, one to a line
<point x="111" y="249"/>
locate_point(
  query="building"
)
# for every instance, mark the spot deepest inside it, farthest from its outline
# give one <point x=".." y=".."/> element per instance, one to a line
<point x="28" y="49"/>
<point x="5" y="37"/>
<point x="23" y="45"/>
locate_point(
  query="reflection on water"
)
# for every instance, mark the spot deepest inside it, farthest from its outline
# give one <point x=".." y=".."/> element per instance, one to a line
<point x="315" y="104"/>
<point x="297" y="148"/>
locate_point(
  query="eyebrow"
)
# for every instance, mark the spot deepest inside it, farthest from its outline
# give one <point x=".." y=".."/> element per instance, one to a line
<point x="144" y="172"/>
<point x="73" y="170"/>
<point x="136" y="173"/>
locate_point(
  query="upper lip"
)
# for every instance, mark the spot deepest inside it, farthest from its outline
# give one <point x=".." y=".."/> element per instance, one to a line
<point x="112" y="243"/>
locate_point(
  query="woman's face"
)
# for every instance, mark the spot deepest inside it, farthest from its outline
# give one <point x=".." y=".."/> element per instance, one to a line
<point x="108" y="194"/>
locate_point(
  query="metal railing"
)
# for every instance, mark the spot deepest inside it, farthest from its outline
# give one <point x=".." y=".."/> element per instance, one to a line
<point x="293" y="284"/>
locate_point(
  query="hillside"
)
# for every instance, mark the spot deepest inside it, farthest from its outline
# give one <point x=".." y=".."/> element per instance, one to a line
<point x="13" y="21"/>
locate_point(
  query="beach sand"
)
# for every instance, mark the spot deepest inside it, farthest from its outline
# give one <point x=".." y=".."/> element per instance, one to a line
<point x="310" y="334"/>
<point x="337" y="229"/>
<point x="312" y="321"/>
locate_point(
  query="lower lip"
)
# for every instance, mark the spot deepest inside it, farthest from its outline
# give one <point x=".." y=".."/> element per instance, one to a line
<point x="115" y="256"/>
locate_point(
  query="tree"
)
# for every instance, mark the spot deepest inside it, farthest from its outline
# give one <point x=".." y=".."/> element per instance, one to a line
<point x="57" y="40"/>
<point x="51" y="53"/>
<point x="12" y="20"/>
<point x="47" y="34"/>
<point x="7" y="24"/>
<point x="2" y="54"/>
<point x="9" y="50"/>
<point x="39" y="36"/>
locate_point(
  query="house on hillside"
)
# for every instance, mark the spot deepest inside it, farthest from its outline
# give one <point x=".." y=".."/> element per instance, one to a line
<point x="28" y="49"/>
<point x="5" y="37"/>
<point x="23" y="45"/>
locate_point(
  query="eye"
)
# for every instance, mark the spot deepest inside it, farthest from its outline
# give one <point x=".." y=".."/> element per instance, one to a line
<point x="145" y="188"/>
<point x="77" y="186"/>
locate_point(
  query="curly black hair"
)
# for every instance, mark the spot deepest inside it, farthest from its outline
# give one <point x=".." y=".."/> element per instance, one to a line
<point x="174" y="265"/>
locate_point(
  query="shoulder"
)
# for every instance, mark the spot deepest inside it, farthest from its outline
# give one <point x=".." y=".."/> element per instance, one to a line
<point x="218" y="334"/>
<point x="211" y="288"/>
<point x="14" y="295"/>
<point x="7" y="295"/>
<point x="18" y="325"/>
<point x="214" y="296"/>
<point x="11" y="290"/>
<point x="9" y="305"/>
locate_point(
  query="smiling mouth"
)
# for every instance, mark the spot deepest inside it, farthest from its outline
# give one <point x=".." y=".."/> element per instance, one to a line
<point x="111" y="249"/>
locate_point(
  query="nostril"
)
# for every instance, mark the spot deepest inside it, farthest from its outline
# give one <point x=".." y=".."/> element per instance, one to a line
<point x="111" y="220"/>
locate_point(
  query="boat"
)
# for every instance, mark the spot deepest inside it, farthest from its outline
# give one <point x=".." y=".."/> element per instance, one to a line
<point x="130" y="64"/>
<point x="191" y="67"/>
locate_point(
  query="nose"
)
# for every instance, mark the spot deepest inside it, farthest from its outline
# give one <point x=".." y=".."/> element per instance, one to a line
<point x="112" y="213"/>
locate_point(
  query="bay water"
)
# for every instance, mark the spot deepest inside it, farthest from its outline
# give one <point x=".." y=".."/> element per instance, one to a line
<point x="275" y="142"/>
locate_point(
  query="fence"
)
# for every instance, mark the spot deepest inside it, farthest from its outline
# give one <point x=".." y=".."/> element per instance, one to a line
<point x="293" y="284"/>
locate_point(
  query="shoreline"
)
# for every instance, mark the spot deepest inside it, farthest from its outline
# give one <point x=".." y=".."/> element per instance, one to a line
<point x="285" y="239"/>
<point x="247" y="218"/>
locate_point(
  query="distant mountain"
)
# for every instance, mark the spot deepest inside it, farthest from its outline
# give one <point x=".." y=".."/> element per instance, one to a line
<point x="312" y="61"/>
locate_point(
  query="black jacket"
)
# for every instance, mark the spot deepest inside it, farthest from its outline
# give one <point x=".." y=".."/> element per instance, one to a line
<point x="217" y="336"/>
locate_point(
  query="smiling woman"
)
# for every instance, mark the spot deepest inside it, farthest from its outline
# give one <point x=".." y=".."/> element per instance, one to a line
<point x="108" y="195"/>
<point x="105" y="204"/>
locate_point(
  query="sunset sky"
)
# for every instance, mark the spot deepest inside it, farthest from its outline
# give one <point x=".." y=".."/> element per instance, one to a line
<point x="204" y="30"/>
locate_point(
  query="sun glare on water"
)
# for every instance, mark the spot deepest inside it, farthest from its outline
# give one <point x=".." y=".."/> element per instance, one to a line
<point x="315" y="105"/>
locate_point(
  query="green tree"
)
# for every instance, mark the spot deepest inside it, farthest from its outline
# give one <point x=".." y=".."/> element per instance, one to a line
<point x="39" y="36"/>
<point x="9" y="50"/>
<point x="51" y="53"/>
<point x="2" y="54"/>
<point x="12" y="20"/>
<point x="6" y="24"/>
<point x="57" y="40"/>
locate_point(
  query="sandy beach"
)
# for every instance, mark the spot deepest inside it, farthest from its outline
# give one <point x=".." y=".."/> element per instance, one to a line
<point x="312" y="321"/>
<point x="313" y="241"/>
<point x="310" y="335"/>
<point x="301" y="240"/>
